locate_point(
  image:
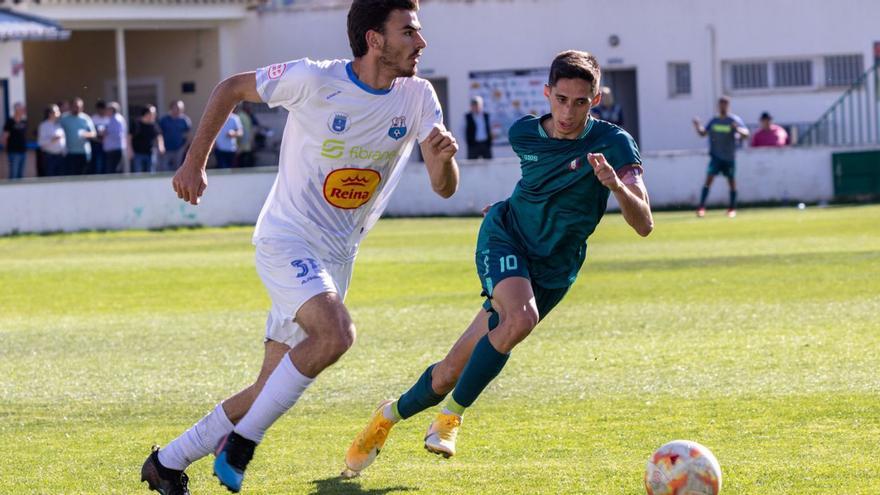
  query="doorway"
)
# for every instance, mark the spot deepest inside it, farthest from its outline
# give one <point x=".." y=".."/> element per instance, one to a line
<point x="623" y="86"/>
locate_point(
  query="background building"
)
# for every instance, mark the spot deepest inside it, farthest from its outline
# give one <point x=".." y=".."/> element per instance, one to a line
<point x="666" y="61"/>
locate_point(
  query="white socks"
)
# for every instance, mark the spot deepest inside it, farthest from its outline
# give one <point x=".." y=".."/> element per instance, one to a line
<point x="283" y="388"/>
<point x="197" y="442"/>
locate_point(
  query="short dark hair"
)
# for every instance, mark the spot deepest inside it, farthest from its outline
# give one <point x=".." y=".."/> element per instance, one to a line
<point x="371" y="15"/>
<point x="50" y="110"/>
<point x="146" y="109"/>
<point x="574" y="64"/>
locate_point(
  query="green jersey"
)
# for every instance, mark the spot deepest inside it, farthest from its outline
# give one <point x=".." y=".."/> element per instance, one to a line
<point x="558" y="202"/>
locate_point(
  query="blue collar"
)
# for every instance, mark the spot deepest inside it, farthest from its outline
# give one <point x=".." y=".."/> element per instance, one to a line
<point x="363" y="85"/>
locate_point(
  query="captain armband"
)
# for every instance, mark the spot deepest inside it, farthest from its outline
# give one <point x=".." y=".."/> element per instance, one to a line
<point x="631" y="175"/>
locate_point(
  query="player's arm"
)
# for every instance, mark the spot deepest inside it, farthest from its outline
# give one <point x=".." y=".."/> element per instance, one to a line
<point x="698" y="126"/>
<point x="740" y="129"/>
<point x="191" y="180"/>
<point x="439" y="150"/>
<point x="629" y="190"/>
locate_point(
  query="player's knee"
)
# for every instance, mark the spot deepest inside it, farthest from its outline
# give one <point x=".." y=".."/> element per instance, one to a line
<point x="526" y="320"/>
<point x="520" y="324"/>
<point x="340" y="340"/>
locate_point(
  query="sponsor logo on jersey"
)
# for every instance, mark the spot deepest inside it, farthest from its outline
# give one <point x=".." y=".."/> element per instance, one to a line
<point x="529" y="158"/>
<point x="277" y="70"/>
<point x="361" y="153"/>
<point x="398" y="128"/>
<point x="339" y="122"/>
<point x="335" y="149"/>
<point x="350" y="188"/>
<point x="333" y="94"/>
<point x="332" y="148"/>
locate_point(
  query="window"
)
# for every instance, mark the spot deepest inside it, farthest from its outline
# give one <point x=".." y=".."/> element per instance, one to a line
<point x="810" y="73"/>
<point x="843" y="70"/>
<point x="792" y="73"/>
<point x="749" y="75"/>
<point x="679" y="78"/>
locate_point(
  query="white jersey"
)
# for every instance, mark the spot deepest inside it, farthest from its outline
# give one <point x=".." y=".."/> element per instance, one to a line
<point x="344" y="148"/>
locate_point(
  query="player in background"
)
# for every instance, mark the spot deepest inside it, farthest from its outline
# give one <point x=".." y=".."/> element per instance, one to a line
<point x="350" y="130"/>
<point x="723" y="130"/>
<point x="529" y="249"/>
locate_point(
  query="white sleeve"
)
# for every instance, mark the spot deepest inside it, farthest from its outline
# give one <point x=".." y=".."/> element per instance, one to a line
<point x="432" y="114"/>
<point x="286" y="84"/>
<point x="44" y="135"/>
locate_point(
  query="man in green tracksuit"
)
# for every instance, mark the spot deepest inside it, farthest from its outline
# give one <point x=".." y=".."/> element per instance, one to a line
<point x="529" y="250"/>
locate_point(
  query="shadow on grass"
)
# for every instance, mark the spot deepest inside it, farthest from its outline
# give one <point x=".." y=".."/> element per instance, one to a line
<point x="339" y="486"/>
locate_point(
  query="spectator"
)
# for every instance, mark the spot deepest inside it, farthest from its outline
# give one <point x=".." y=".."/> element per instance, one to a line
<point x="175" y="132"/>
<point x="78" y="129"/>
<point x="100" y="119"/>
<point x="115" y="138"/>
<point x="723" y="131"/>
<point x="608" y="109"/>
<point x="226" y="146"/>
<point x="246" y="141"/>
<point x="769" y="134"/>
<point x="478" y="132"/>
<point x="15" y="140"/>
<point x="50" y="137"/>
<point x="146" y="136"/>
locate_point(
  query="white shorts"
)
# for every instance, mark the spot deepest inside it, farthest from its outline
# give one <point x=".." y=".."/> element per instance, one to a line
<point x="293" y="274"/>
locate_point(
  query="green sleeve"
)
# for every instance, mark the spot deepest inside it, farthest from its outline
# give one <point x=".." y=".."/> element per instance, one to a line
<point x="624" y="151"/>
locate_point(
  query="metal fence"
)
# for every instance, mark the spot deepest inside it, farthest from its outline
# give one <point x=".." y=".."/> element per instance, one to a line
<point x="853" y="120"/>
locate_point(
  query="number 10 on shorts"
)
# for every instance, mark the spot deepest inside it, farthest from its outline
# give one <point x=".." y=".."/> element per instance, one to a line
<point x="508" y="263"/>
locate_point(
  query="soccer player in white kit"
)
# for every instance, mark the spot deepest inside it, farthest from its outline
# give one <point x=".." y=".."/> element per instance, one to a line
<point x="350" y="129"/>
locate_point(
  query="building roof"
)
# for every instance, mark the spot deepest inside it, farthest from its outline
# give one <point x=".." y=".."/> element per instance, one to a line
<point x="15" y="26"/>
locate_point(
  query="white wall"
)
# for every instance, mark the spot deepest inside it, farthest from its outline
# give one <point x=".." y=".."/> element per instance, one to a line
<point x="10" y="51"/>
<point x="673" y="178"/>
<point x="495" y="34"/>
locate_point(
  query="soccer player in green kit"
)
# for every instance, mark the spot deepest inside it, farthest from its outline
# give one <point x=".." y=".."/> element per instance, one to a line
<point x="529" y="250"/>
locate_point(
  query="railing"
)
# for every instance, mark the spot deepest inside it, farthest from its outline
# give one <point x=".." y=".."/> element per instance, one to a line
<point x="853" y="120"/>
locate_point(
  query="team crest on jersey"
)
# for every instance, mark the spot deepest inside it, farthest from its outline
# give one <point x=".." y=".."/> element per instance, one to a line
<point x="277" y="70"/>
<point x="339" y="122"/>
<point x="575" y="164"/>
<point x="398" y="128"/>
<point x="350" y="188"/>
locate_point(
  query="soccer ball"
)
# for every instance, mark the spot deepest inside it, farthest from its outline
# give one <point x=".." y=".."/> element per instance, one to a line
<point x="682" y="467"/>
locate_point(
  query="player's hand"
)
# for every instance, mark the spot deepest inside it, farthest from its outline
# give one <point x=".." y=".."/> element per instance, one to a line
<point x="442" y="143"/>
<point x="697" y="123"/>
<point x="604" y="171"/>
<point x="190" y="182"/>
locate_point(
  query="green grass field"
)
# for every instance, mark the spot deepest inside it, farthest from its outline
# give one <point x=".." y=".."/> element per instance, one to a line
<point x="758" y="337"/>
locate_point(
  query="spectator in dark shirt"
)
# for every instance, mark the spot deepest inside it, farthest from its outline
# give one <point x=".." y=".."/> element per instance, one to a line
<point x="145" y="136"/>
<point x="478" y="131"/>
<point x="15" y="140"/>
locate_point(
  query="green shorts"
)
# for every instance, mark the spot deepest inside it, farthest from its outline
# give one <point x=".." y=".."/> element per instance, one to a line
<point x="497" y="261"/>
<point x="723" y="167"/>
